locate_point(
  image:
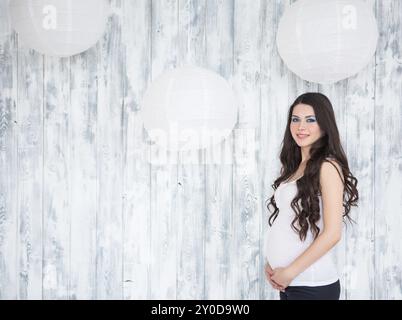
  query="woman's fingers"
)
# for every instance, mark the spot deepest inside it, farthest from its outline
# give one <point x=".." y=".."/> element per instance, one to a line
<point x="268" y="268"/>
<point x="268" y="276"/>
<point x="272" y="282"/>
<point x="269" y="272"/>
<point x="277" y="285"/>
<point x="274" y="285"/>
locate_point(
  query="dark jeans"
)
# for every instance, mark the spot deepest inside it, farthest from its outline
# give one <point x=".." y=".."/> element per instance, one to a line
<point x="328" y="292"/>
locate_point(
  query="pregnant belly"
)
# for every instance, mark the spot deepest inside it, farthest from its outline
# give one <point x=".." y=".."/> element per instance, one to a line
<point x="284" y="247"/>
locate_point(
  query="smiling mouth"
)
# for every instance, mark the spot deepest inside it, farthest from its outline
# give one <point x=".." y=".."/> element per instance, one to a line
<point x="301" y="136"/>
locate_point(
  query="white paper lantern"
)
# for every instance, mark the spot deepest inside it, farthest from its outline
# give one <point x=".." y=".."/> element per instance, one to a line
<point x="325" y="41"/>
<point x="59" y="27"/>
<point x="189" y="108"/>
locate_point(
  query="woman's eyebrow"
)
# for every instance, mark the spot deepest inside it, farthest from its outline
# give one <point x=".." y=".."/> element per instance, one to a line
<point x="293" y="115"/>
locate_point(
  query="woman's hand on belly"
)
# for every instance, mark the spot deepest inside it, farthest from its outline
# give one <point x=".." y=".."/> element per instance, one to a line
<point x="282" y="276"/>
<point x="268" y="274"/>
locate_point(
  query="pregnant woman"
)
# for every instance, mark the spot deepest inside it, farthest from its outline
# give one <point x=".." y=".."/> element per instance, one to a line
<point x="314" y="186"/>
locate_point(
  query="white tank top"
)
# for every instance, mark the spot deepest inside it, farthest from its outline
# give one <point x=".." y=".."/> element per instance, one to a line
<point x="283" y="245"/>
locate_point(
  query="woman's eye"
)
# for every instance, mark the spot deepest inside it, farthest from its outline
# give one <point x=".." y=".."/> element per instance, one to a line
<point x="308" y="120"/>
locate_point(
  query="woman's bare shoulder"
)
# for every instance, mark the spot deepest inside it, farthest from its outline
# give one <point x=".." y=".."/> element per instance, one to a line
<point x="332" y="163"/>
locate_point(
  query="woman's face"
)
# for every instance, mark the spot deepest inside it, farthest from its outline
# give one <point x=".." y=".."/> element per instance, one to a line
<point x="303" y="125"/>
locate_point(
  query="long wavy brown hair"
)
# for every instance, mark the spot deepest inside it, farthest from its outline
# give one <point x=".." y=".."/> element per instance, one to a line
<point x="306" y="202"/>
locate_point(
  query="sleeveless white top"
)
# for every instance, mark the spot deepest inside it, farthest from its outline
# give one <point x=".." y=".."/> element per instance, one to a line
<point x="283" y="245"/>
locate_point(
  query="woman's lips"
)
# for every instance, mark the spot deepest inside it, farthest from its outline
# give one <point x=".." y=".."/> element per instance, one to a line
<point x="302" y="136"/>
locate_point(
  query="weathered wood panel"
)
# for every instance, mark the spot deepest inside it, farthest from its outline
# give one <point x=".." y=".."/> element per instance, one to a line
<point x="109" y="218"/>
<point x="163" y="182"/>
<point x="190" y="211"/>
<point x="136" y="28"/>
<point x="83" y="173"/>
<point x="219" y="235"/>
<point x="56" y="179"/>
<point x="30" y="114"/>
<point x="387" y="144"/>
<point x="246" y="222"/>
<point x="8" y="158"/>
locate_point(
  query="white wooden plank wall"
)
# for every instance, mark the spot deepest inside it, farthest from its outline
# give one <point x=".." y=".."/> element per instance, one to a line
<point x="86" y="214"/>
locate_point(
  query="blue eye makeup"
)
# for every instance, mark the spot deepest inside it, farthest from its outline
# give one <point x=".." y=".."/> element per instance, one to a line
<point x="309" y="120"/>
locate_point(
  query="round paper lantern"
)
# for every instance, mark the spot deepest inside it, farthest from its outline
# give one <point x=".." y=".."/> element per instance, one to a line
<point x="325" y="41"/>
<point x="189" y="108"/>
<point x="59" y="27"/>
